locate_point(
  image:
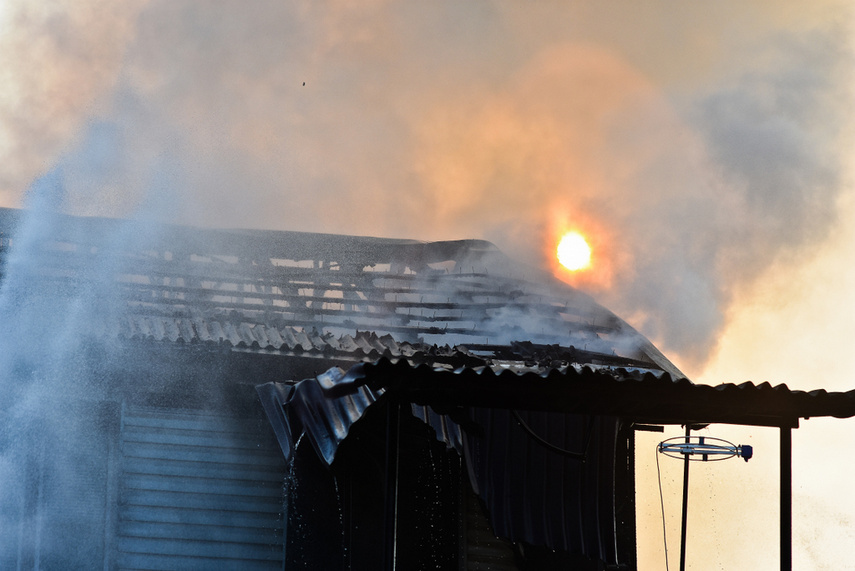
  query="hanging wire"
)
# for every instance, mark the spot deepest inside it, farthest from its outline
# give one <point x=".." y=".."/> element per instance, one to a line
<point x="549" y="446"/>
<point x="662" y="506"/>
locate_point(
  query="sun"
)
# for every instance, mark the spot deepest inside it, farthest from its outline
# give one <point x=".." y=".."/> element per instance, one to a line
<point x="573" y="252"/>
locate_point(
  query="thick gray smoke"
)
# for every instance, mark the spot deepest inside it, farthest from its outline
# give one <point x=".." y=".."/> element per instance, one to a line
<point x="695" y="143"/>
<point x="772" y="181"/>
<point x="693" y="158"/>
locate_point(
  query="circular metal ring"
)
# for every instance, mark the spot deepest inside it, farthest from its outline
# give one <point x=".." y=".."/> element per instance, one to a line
<point x="699" y="448"/>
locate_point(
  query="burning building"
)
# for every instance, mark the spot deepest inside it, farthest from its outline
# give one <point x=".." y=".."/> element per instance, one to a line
<point x="183" y="398"/>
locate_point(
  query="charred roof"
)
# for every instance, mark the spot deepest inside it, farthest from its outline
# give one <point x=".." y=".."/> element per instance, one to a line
<point x="322" y="293"/>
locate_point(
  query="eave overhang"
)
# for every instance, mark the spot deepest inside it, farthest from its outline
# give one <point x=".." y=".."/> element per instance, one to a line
<point x="642" y="397"/>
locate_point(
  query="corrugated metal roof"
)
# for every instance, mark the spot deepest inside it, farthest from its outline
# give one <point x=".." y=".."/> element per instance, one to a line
<point x="603" y="391"/>
<point x="290" y="291"/>
<point x="606" y="392"/>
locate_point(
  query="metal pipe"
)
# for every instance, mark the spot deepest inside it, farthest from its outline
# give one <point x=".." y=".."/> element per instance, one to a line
<point x="685" y="502"/>
<point x="786" y="498"/>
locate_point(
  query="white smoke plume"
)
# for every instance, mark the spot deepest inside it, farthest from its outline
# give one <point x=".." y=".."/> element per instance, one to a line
<point x="694" y="144"/>
<point x="697" y="144"/>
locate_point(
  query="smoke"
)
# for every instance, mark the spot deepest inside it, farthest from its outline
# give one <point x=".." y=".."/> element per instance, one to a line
<point x="40" y="364"/>
<point x="58" y="61"/>
<point x="58" y="415"/>
<point x="695" y="145"/>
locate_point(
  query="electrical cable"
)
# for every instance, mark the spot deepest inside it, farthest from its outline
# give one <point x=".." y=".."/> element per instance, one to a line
<point x="662" y="505"/>
<point x="548" y="445"/>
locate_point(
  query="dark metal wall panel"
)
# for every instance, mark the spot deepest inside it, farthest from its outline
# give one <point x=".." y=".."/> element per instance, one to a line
<point x="537" y="496"/>
<point x="198" y="491"/>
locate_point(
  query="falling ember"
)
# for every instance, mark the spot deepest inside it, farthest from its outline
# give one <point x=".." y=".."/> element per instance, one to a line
<point x="573" y="252"/>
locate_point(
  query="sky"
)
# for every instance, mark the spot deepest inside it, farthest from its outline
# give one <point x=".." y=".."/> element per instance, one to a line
<point x="703" y="148"/>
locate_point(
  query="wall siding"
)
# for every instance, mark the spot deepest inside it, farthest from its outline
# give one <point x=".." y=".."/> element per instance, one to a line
<point x="198" y="491"/>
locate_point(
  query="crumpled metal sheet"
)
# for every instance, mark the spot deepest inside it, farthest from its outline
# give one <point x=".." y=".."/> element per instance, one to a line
<point x="304" y="409"/>
<point x="311" y="408"/>
<point x="273" y="396"/>
<point x="446" y="430"/>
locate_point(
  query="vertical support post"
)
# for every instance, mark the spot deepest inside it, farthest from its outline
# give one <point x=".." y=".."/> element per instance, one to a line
<point x="685" y="501"/>
<point x="786" y="498"/>
<point x="393" y="429"/>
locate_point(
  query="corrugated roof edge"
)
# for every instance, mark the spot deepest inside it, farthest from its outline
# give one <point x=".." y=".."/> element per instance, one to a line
<point x="521" y="356"/>
<point x="340" y="398"/>
<point x="601" y="391"/>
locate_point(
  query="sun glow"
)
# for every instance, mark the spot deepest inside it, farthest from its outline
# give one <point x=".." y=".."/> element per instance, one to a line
<point x="573" y="252"/>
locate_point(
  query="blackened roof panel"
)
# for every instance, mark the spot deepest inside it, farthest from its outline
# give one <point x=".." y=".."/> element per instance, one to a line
<point x="603" y="391"/>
